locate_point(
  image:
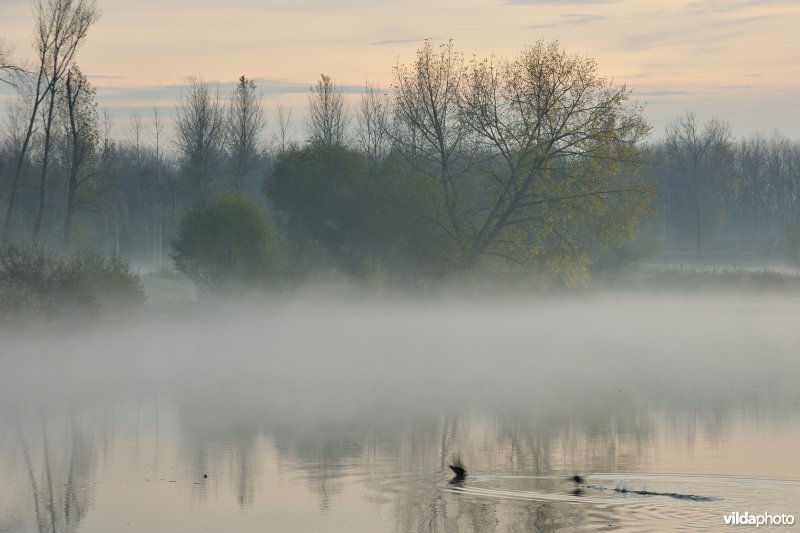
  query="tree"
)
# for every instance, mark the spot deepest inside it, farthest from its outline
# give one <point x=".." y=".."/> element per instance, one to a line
<point x="81" y="123"/>
<point x="7" y="66"/>
<point x="245" y="124"/>
<point x="530" y="155"/>
<point x="323" y="190"/>
<point x="35" y="280"/>
<point x="227" y="244"/>
<point x="60" y="28"/>
<point x="200" y="135"/>
<point x="372" y="121"/>
<point x="284" y="121"/>
<point x="158" y="132"/>
<point x="427" y="130"/>
<point x="701" y="160"/>
<point x="327" y="113"/>
<point x="340" y="210"/>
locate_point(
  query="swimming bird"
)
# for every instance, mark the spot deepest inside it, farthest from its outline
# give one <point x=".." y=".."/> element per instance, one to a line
<point x="578" y="480"/>
<point x="459" y="471"/>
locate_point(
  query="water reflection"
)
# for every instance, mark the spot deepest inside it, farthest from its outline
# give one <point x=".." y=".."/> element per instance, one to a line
<point x="363" y="440"/>
<point x="55" y="459"/>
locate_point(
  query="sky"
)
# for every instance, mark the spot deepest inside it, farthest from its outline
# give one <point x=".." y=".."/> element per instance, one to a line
<point x="738" y="60"/>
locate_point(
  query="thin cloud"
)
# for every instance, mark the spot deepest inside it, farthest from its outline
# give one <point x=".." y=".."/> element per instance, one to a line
<point x="733" y="87"/>
<point x="401" y="41"/>
<point x="173" y="91"/>
<point x="557" y="2"/>
<point x="572" y="20"/>
<point x="104" y="77"/>
<point x="706" y="33"/>
<point x="662" y="92"/>
<point x="726" y="6"/>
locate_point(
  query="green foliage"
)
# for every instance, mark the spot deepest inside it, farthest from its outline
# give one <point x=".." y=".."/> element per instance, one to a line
<point x="322" y="189"/>
<point x="109" y="280"/>
<point x="228" y="244"/>
<point x="37" y="283"/>
<point x="339" y="210"/>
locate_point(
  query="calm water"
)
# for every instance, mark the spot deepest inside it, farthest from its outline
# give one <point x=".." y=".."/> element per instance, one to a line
<point x="324" y="415"/>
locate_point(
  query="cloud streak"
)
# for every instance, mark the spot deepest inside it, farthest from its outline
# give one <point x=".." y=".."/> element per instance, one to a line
<point x="402" y="41"/>
<point x="700" y="34"/>
<point x="557" y="2"/>
<point x="572" y="20"/>
<point x="269" y="87"/>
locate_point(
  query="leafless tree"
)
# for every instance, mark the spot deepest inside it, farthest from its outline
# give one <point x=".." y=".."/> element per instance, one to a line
<point x="158" y="133"/>
<point x="8" y="70"/>
<point x="372" y="120"/>
<point x="200" y="133"/>
<point x="284" y="122"/>
<point x="702" y="159"/>
<point x="60" y="27"/>
<point x="245" y="125"/>
<point x="327" y="112"/>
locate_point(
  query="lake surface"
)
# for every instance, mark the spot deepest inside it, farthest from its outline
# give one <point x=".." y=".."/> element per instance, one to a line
<point x="328" y="414"/>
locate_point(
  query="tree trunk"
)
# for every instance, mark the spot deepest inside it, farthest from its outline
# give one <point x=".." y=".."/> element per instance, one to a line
<point x="45" y="162"/>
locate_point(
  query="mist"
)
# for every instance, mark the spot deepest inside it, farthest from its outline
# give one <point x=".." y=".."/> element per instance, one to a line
<point x="325" y="377"/>
<point x="484" y="294"/>
<point x="455" y="347"/>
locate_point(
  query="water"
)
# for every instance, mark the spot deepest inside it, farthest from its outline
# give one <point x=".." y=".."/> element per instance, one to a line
<point x="322" y="414"/>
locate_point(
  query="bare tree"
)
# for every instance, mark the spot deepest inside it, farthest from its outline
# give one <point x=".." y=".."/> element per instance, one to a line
<point x="158" y="132"/>
<point x="372" y="121"/>
<point x="327" y="112"/>
<point x="245" y="124"/>
<point x="200" y="134"/>
<point x="284" y="121"/>
<point x="701" y="159"/>
<point x="7" y="66"/>
<point x="60" y="28"/>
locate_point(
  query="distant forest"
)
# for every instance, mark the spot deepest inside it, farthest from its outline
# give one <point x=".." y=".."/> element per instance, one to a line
<point x="531" y="164"/>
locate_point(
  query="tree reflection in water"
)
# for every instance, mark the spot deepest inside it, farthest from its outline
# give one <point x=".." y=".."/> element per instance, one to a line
<point x="372" y="429"/>
<point x="59" y="457"/>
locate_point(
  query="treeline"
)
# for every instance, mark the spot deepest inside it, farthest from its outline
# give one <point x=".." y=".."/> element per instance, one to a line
<point x="535" y="163"/>
<point x="721" y="194"/>
<point x="483" y="165"/>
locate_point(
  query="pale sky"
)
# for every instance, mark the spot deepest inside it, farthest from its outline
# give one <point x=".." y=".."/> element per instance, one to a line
<point x="733" y="59"/>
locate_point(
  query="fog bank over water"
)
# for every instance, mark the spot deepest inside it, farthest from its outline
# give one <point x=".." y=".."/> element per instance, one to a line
<point x="368" y="351"/>
<point x="342" y="413"/>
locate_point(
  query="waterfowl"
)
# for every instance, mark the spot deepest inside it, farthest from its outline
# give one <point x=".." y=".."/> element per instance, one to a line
<point x="459" y="471"/>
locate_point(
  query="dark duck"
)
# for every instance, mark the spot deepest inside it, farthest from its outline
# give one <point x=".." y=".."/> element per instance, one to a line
<point x="459" y="471"/>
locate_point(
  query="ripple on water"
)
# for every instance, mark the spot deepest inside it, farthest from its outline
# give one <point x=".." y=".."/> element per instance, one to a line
<point x="634" y="502"/>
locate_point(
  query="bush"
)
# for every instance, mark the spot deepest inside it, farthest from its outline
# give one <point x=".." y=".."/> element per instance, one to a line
<point x="228" y="244"/>
<point x="36" y="282"/>
<point x="109" y="280"/>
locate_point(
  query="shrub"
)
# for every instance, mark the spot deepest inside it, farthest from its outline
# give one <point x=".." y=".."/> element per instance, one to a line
<point x="36" y="282"/>
<point x="109" y="280"/>
<point x="228" y="244"/>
